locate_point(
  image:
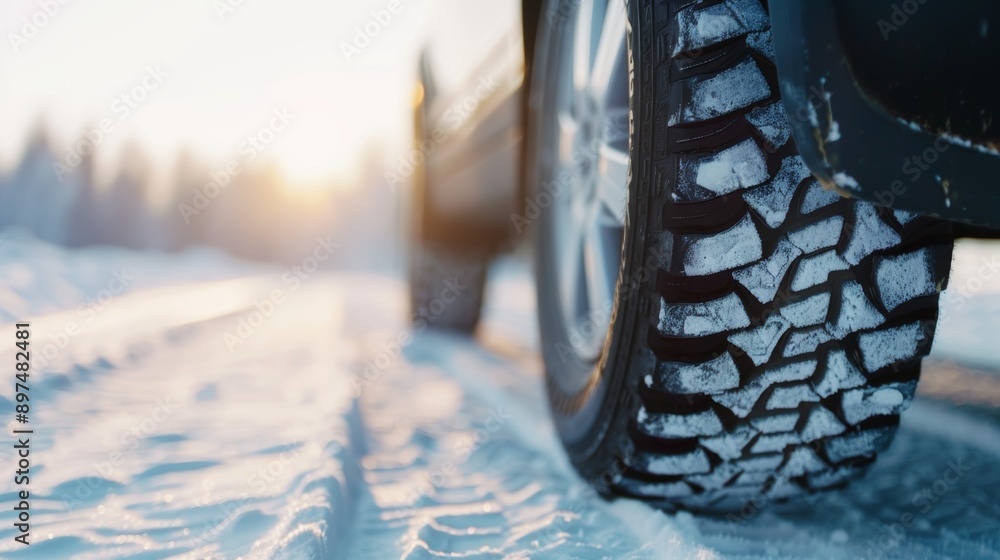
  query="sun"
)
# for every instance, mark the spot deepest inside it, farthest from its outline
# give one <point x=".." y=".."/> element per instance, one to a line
<point x="317" y="161"/>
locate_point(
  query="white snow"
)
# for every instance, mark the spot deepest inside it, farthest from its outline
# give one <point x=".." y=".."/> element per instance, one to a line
<point x="856" y="312"/>
<point x="763" y="278"/>
<point x="905" y="277"/>
<point x="774" y="423"/>
<point x="801" y="461"/>
<point x="694" y="462"/>
<point x="839" y="374"/>
<point x="969" y="307"/>
<point x="804" y="342"/>
<point x="820" y="424"/>
<point x="755" y="478"/>
<point x="730" y="445"/>
<point x="862" y="404"/>
<point x="856" y="444"/>
<point x="822" y="234"/>
<point x="808" y="312"/>
<point x="719" y="477"/>
<point x="772" y="443"/>
<point x="731" y="89"/>
<point x="771" y="123"/>
<point x="742" y="400"/>
<point x="818" y="197"/>
<point x="783" y="488"/>
<point x="791" y="397"/>
<point x="40" y="278"/>
<point x="870" y="234"/>
<point x="834" y="134"/>
<point x="713" y="376"/>
<point x="772" y="200"/>
<point x="758" y="343"/>
<point x="762" y="43"/>
<point x="832" y="479"/>
<point x="904" y="217"/>
<point x="740" y="166"/>
<point x="888" y="346"/>
<point x="697" y="319"/>
<point x="704" y="27"/>
<point x="446" y="452"/>
<point x="762" y="463"/>
<point x="953" y="139"/>
<point x="844" y="180"/>
<point x="658" y="489"/>
<point x="730" y="249"/>
<point x="814" y="270"/>
<point x="679" y="425"/>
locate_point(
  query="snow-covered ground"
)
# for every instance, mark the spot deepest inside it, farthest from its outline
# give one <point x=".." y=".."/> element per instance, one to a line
<point x="970" y="309"/>
<point x="213" y="409"/>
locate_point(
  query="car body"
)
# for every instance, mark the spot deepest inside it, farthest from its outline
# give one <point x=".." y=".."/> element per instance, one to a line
<point x="931" y="158"/>
<point x="470" y="118"/>
<point x="889" y="105"/>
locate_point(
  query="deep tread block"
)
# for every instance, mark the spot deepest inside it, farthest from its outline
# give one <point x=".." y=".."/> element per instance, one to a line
<point x="784" y="324"/>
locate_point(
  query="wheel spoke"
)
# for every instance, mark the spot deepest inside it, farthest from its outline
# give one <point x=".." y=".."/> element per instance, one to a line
<point x="590" y="112"/>
<point x="610" y="50"/>
<point x="583" y="47"/>
<point x="572" y="286"/>
<point x="612" y="182"/>
<point x="601" y="265"/>
<point x="568" y="129"/>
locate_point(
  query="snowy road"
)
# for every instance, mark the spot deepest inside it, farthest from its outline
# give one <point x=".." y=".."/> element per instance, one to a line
<point x="175" y="423"/>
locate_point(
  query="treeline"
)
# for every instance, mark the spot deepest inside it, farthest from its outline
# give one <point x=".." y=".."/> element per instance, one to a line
<point x="250" y="213"/>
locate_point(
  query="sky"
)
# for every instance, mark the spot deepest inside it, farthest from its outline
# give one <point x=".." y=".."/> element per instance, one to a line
<point x="209" y="74"/>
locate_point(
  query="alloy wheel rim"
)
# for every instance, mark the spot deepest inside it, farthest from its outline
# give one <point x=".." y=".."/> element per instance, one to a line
<point x="590" y="170"/>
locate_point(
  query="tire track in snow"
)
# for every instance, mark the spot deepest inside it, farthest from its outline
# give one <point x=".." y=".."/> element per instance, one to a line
<point x="463" y="461"/>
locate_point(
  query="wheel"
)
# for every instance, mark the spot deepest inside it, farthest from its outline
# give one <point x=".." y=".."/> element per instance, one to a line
<point x="447" y="262"/>
<point x="718" y="329"/>
<point x="446" y="288"/>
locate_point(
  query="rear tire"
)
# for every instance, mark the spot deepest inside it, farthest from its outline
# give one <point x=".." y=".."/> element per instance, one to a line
<point x="765" y="333"/>
<point x="446" y="288"/>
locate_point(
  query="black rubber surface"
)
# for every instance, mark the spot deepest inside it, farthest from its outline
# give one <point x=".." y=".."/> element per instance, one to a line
<point x="767" y="333"/>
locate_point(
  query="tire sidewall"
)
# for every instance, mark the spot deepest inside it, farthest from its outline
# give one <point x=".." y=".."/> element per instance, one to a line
<point x="590" y="421"/>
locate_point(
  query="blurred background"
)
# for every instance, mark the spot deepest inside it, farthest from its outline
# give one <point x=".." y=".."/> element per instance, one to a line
<point x="246" y="125"/>
<point x="166" y="168"/>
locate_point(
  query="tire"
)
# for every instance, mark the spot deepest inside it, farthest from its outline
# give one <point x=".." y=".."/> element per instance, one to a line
<point x="446" y="288"/>
<point x="764" y="333"/>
